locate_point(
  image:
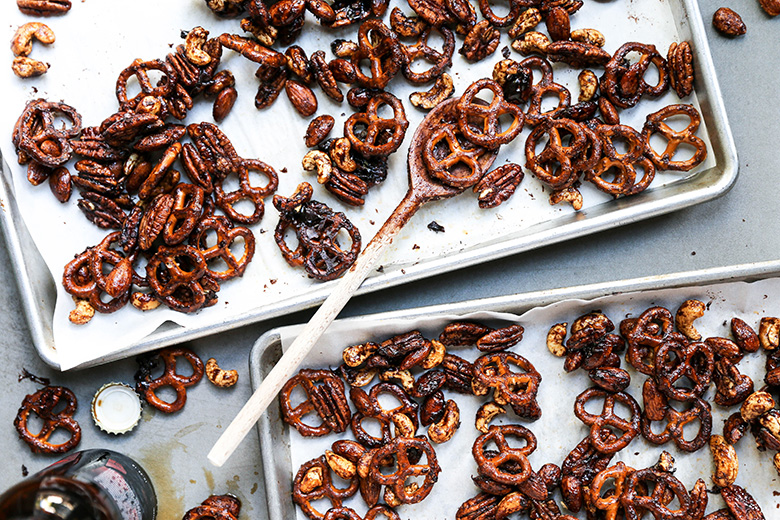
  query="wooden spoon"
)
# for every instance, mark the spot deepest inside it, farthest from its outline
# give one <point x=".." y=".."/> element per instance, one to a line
<point x="422" y="189"/>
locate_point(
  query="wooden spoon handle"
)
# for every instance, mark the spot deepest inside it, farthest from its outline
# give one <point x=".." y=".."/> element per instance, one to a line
<point x="292" y="358"/>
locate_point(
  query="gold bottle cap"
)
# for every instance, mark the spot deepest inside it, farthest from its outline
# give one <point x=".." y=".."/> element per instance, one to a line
<point x="116" y="408"/>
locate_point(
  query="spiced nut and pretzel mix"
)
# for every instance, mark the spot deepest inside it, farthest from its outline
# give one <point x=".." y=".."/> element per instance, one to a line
<point x="429" y="381"/>
<point x="182" y="205"/>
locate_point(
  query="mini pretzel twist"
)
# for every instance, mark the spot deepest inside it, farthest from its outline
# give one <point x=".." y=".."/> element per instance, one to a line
<point x="451" y="158"/>
<point x="495" y="465"/>
<point x="676" y="421"/>
<point x="610" y="502"/>
<point x="404" y="451"/>
<point x="226" y="201"/>
<point x="645" y="335"/>
<point x="479" y="123"/>
<point x="380" y="46"/>
<point x="607" y="418"/>
<point x="623" y="82"/>
<point x="635" y="502"/>
<point x="677" y="359"/>
<point x="37" y="137"/>
<point x="556" y="164"/>
<point x="382" y="136"/>
<point x="43" y="403"/>
<point x="140" y="70"/>
<point x="168" y="276"/>
<point x="369" y="407"/>
<point x="225" y="236"/>
<point x="514" y="378"/>
<point x="187" y="208"/>
<point x="439" y="60"/>
<point x="324" y="395"/>
<point x="146" y="386"/>
<point x="307" y="490"/>
<point x="655" y="124"/>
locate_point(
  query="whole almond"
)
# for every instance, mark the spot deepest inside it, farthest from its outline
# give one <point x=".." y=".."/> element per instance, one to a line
<point x="301" y="97"/>
<point x="772" y="7"/>
<point x="728" y="22"/>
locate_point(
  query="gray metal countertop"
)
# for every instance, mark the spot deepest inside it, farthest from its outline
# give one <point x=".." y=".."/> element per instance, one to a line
<point x="741" y="227"/>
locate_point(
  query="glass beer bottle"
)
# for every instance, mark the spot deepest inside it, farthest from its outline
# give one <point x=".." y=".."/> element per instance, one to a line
<point x="87" y="485"/>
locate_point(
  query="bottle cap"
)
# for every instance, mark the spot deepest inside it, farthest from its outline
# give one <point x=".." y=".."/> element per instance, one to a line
<point x="116" y="408"/>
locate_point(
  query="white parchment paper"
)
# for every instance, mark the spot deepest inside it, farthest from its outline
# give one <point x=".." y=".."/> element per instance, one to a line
<point x="558" y="430"/>
<point x="96" y="40"/>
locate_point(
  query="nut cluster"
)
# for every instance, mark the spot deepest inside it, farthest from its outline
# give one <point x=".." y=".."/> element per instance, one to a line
<point x="414" y="372"/>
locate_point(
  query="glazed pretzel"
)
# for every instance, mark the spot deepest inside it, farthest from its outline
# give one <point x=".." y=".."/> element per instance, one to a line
<point x="225" y="235"/>
<point x="215" y="507"/>
<point x="556" y="164"/>
<point x="140" y="70"/>
<point x="607" y="418"/>
<point x="43" y="403"/>
<point x="317" y="228"/>
<point x="404" y="451"/>
<point x="645" y="335"/>
<point x="495" y="466"/>
<point x="655" y="124"/>
<point x="623" y="84"/>
<point x="378" y="44"/>
<point x="676" y="421"/>
<point x="185" y="212"/>
<point x="439" y="60"/>
<point x="326" y="489"/>
<point x="677" y="358"/>
<point x="118" y="280"/>
<point x="609" y="502"/>
<point x="382" y="136"/>
<point x="77" y="278"/>
<point x="539" y="89"/>
<point x="324" y="395"/>
<point x="625" y="180"/>
<point x="36" y="137"/>
<point x="479" y="123"/>
<point x="515" y="7"/>
<point x="446" y="149"/>
<point x="635" y="503"/>
<point x="167" y="270"/>
<point x="146" y="386"/>
<point x="514" y="377"/>
<point x="226" y="201"/>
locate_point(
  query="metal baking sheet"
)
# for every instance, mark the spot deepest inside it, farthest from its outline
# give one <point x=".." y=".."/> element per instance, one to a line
<point x="274" y="434"/>
<point x="38" y="289"/>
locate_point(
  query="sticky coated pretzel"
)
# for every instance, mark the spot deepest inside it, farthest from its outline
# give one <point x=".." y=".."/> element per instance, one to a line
<point x="479" y="123"/>
<point x="495" y="467"/>
<point x="445" y="149"/>
<point x="382" y="136"/>
<point x="226" y="201"/>
<point x="610" y="502"/>
<point x="146" y="385"/>
<point x="645" y="335"/>
<point x="623" y="83"/>
<point x="378" y="44"/>
<point x="607" y="418"/>
<point x="404" y="451"/>
<point x="225" y="235"/>
<point x="514" y="377"/>
<point x="36" y="137"/>
<point x="556" y="164"/>
<point x="439" y="60"/>
<point x="185" y="212"/>
<point x="655" y="124"/>
<point x="324" y="395"/>
<point x="635" y="503"/>
<point x="676" y="421"/>
<point x="175" y="273"/>
<point x="325" y="490"/>
<point x="140" y="70"/>
<point x="676" y="359"/>
<point x="43" y="403"/>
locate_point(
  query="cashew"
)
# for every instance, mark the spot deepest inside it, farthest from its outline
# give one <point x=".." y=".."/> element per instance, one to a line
<point x="441" y="90"/>
<point x="726" y="463"/>
<point x="319" y="161"/>
<point x="500" y="397"/>
<point x="591" y="36"/>
<point x="82" y="313"/>
<point x="25" y="67"/>
<point x="404" y="427"/>
<point x="312" y="480"/>
<point x="402" y="376"/>
<point x="503" y="69"/>
<point x="529" y="19"/>
<point x="485" y="414"/>
<point x="532" y="42"/>
<point x="771" y="421"/>
<point x="21" y="44"/>
<point x="769" y="332"/>
<point x="435" y="356"/>
<point x="665" y="462"/>
<point x="689" y="311"/>
<point x="555" y="337"/>
<point x="756" y="405"/>
<point x="341" y="155"/>
<point x="478" y="388"/>
<point x="571" y="195"/>
<point x="595" y="319"/>
<point x="363" y="377"/>
<point x="220" y="377"/>
<point x="589" y="83"/>
<point x="341" y="466"/>
<point x="144" y="301"/>
<point x="443" y="430"/>
<point x="356" y="355"/>
<point x="390" y="497"/>
<point x="344" y="48"/>
<point x="193" y="47"/>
